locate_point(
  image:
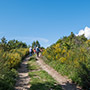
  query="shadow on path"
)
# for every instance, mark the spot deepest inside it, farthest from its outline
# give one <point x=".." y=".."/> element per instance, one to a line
<point x="70" y="86"/>
<point x="45" y="86"/>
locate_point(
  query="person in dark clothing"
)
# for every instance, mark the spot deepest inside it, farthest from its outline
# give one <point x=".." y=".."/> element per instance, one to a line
<point x="37" y="51"/>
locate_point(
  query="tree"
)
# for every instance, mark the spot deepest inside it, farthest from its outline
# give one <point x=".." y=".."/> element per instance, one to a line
<point x="33" y="44"/>
<point x="37" y="44"/>
<point x="11" y="44"/>
<point x="16" y="44"/>
<point x="3" y="44"/>
<point x="3" y="40"/>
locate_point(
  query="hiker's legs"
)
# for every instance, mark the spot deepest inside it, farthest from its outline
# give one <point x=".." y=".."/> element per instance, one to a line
<point x="30" y="53"/>
<point x="37" y="54"/>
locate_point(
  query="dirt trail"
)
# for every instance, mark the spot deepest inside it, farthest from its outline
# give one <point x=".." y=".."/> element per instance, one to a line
<point x="62" y="80"/>
<point x="23" y="81"/>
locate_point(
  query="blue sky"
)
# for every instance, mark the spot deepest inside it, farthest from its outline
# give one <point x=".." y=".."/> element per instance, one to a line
<point x="43" y="20"/>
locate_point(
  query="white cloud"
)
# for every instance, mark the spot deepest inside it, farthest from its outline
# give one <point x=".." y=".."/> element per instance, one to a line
<point x="86" y="32"/>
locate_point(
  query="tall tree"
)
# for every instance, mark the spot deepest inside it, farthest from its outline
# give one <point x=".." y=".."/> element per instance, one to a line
<point x="3" y="40"/>
<point x="33" y="44"/>
<point x="37" y="44"/>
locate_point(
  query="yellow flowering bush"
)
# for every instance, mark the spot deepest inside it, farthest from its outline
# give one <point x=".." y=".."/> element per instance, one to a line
<point x="13" y="59"/>
<point x="88" y="42"/>
<point x="72" y="61"/>
<point x="62" y="59"/>
<point x="15" y="56"/>
<point x="11" y="54"/>
<point x="63" y="51"/>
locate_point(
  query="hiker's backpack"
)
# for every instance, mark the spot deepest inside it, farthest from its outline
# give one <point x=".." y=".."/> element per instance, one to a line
<point x="37" y="50"/>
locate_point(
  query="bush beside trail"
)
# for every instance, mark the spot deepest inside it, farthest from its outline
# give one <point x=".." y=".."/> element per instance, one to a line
<point x="71" y="56"/>
<point x="9" y="62"/>
<point x="11" y="55"/>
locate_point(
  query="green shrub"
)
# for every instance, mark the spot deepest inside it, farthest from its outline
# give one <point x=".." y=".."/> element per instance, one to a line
<point x="9" y="61"/>
<point x="71" y="56"/>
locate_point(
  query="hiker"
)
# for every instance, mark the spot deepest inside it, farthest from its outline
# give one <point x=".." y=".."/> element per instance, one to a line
<point x="37" y="51"/>
<point x="30" y="50"/>
<point x="41" y="50"/>
<point x="34" y="50"/>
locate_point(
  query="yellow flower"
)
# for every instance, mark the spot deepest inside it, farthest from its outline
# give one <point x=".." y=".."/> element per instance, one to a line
<point x="57" y="56"/>
<point x="62" y="59"/>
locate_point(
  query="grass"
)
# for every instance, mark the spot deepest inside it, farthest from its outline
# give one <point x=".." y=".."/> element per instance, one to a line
<point x="41" y="80"/>
<point x="32" y="64"/>
<point x="60" y="68"/>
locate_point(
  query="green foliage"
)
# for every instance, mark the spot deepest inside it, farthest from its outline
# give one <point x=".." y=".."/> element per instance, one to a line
<point x="35" y="44"/>
<point x="71" y="56"/>
<point x="3" y="40"/>
<point x="40" y="80"/>
<point x="16" y="44"/>
<point x="11" y="54"/>
<point x="12" y="44"/>
<point x="7" y="79"/>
